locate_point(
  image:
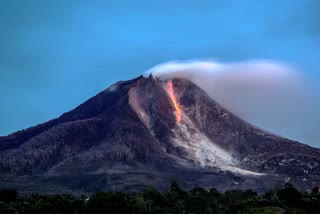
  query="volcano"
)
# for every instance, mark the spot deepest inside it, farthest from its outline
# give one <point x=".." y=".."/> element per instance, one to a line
<point x="146" y="132"/>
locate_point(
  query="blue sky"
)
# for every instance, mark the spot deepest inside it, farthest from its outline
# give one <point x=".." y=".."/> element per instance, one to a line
<point x="56" y="54"/>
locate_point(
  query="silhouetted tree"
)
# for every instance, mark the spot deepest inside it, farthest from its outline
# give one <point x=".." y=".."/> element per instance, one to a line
<point x="174" y="187"/>
<point x="289" y="194"/>
<point x="176" y="201"/>
<point x="107" y="202"/>
<point x="315" y="190"/>
<point x="8" y="195"/>
<point x="154" y="199"/>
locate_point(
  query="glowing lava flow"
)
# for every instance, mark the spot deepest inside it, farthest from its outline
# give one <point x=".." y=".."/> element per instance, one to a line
<point x="174" y="101"/>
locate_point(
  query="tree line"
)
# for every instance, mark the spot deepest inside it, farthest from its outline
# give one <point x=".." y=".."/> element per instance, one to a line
<point x="176" y="201"/>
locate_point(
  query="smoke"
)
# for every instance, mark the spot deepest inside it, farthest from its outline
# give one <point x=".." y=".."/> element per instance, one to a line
<point x="272" y="95"/>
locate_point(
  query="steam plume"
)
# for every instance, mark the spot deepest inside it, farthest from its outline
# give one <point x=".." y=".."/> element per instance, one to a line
<point x="269" y="94"/>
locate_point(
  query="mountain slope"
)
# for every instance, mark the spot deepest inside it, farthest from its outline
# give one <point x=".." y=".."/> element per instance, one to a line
<point x="129" y="137"/>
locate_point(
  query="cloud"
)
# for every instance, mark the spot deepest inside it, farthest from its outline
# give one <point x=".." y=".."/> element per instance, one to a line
<point x="270" y="94"/>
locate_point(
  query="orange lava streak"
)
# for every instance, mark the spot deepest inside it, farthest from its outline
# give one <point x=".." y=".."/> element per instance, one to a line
<point x="174" y="101"/>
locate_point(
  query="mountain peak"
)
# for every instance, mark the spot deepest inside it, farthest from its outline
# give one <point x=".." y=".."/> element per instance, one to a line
<point x="145" y="131"/>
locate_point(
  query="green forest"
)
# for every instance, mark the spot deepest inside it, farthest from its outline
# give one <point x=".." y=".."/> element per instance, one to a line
<point x="198" y="200"/>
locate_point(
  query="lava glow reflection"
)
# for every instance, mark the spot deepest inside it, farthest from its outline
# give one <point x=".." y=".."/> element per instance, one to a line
<point x="174" y="101"/>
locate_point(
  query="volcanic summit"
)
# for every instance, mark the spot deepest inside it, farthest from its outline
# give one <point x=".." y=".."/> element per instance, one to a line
<point x="146" y="132"/>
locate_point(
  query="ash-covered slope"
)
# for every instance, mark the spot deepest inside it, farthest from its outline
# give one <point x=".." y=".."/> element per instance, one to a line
<point x="129" y="137"/>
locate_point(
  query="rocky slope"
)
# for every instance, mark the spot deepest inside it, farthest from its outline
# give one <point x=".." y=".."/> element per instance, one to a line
<point x="128" y="137"/>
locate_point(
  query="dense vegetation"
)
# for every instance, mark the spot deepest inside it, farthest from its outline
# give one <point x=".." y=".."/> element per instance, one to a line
<point x="198" y="200"/>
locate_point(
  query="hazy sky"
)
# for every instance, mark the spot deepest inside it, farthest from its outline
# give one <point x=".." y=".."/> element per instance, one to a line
<point x="56" y="54"/>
